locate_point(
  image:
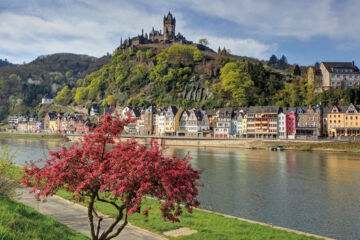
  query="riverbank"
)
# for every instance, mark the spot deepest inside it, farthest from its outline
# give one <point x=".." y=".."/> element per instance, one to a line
<point x="38" y="136"/>
<point x="352" y="146"/>
<point x="209" y="225"/>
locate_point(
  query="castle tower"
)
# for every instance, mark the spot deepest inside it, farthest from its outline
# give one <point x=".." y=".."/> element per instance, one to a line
<point x="169" y="27"/>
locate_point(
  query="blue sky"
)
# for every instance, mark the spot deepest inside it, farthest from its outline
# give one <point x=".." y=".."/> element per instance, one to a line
<point x="305" y="31"/>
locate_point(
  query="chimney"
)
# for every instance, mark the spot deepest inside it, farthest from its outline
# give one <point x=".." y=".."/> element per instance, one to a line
<point x="353" y="63"/>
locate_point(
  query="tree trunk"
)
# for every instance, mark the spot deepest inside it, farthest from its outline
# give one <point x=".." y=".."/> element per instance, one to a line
<point x="91" y="217"/>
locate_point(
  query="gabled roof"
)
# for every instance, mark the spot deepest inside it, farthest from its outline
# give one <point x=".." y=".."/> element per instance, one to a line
<point x="354" y="107"/>
<point x="340" y="109"/>
<point x="291" y="109"/>
<point x="151" y="109"/>
<point x="331" y="65"/>
<point x="48" y="96"/>
<point x="172" y="109"/>
<point x="225" y="112"/>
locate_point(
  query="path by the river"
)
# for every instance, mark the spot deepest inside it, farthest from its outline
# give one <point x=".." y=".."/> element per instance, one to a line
<point x="75" y="216"/>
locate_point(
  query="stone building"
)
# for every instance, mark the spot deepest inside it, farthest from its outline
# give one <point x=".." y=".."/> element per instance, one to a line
<point x="338" y="75"/>
<point x="167" y="36"/>
<point x="223" y="123"/>
<point x="150" y="121"/>
<point x="309" y="122"/>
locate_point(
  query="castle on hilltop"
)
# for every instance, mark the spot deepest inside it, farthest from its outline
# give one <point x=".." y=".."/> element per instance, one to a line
<point x="168" y="35"/>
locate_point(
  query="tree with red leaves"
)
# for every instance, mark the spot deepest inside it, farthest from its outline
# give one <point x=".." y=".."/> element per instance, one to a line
<point x="102" y="168"/>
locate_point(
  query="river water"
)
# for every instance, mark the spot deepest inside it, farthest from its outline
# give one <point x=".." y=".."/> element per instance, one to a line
<point x="307" y="191"/>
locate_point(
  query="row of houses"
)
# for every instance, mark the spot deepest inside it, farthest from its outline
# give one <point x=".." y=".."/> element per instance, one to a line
<point x="53" y="122"/>
<point x="310" y="122"/>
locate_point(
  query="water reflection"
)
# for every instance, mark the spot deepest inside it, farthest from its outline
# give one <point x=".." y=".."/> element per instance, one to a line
<point x="312" y="192"/>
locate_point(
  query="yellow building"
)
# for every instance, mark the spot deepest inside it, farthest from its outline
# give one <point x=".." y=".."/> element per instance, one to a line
<point x="53" y="125"/>
<point x="344" y="121"/>
<point x="177" y="119"/>
<point x="244" y="125"/>
<point x="170" y="119"/>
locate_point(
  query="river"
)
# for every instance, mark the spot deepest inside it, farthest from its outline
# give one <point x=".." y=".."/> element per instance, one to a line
<point x="308" y="191"/>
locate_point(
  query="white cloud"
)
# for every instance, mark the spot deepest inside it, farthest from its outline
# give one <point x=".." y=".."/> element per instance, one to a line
<point x="242" y="47"/>
<point x="35" y="27"/>
<point x="93" y="29"/>
<point x="301" y="19"/>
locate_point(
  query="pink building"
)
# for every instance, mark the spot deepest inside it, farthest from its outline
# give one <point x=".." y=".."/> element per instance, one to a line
<point x="291" y="122"/>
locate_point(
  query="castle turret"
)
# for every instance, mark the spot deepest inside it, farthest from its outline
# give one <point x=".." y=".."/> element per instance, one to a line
<point x="169" y="27"/>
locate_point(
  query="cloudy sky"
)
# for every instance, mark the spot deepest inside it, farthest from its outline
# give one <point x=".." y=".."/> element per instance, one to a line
<point x="304" y="31"/>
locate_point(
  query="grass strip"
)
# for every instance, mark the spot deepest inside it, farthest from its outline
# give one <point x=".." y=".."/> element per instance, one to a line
<point x="18" y="222"/>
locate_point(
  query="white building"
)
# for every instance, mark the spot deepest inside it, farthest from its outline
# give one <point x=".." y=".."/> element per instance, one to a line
<point x="160" y="123"/>
<point x="282" y="125"/>
<point x="47" y="99"/>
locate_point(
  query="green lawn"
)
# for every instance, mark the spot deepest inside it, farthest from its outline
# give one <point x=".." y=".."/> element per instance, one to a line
<point x="210" y="226"/>
<point x="19" y="222"/>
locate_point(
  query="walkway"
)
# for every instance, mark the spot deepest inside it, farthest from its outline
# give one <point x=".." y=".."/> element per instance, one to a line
<point x="75" y="216"/>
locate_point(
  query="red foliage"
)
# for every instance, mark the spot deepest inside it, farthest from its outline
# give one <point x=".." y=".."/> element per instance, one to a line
<point x="128" y="171"/>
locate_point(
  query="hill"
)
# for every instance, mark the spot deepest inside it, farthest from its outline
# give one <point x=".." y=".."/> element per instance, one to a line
<point x="192" y="75"/>
<point x="187" y="75"/>
<point x="22" y="86"/>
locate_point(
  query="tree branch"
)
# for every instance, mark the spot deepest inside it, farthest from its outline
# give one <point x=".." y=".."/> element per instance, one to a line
<point x="106" y="201"/>
<point x="98" y="227"/>
<point x="110" y="228"/>
<point x="119" y="229"/>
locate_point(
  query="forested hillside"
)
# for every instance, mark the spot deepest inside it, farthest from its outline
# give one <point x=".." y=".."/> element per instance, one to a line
<point x="22" y="86"/>
<point x="180" y="75"/>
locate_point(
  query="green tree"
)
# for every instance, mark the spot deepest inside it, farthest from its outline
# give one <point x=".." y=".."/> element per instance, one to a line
<point x="68" y="74"/>
<point x="282" y="63"/>
<point x="149" y="54"/>
<point x="108" y="101"/>
<point x="236" y="82"/>
<point x="204" y="41"/>
<point x="297" y="70"/>
<point x="198" y="56"/>
<point x="273" y="60"/>
<point x="81" y="94"/>
<point x="139" y="55"/>
<point x="64" y="96"/>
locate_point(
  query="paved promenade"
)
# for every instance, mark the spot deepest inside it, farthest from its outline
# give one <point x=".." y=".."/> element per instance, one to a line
<point x="75" y="216"/>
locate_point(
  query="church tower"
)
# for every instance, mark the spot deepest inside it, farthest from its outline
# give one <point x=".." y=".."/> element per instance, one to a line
<point x="169" y="27"/>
